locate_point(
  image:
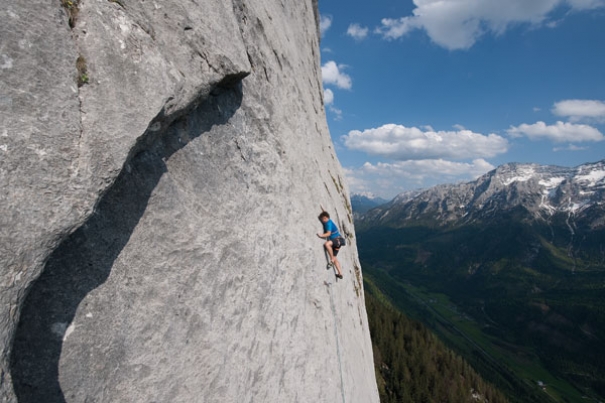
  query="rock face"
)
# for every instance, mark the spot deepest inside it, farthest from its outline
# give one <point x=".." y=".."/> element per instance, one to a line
<point x="162" y="166"/>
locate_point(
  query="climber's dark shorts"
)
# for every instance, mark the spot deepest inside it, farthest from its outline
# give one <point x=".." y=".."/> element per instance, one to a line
<point x="337" y="243"/>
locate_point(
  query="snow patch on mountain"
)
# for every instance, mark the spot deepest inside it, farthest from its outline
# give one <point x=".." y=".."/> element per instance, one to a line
<point x="592" y="178"/>
<point x="524" y="173"/>
<point x="551" y="183"/>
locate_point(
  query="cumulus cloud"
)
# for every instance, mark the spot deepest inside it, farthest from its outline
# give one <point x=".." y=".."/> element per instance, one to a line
<point x="412" y="143"/>
<point x="337" y="112"/>
<point x="356" y="183"/>
<point x="459" y="24"/>
<point x="389" y="179"/>
<point x="561" y="132"/>
<point x="328" y="96"/>
<point x="331" y="74"/>
<point x="578" y="109"/>
<point x="357" y="32"/>
<point x="570" y="147"/>
<point x="586" y="4"/>
<point x="435" y="168"/>
<point x="325" y="22"/>
<point x="393" y="28"/>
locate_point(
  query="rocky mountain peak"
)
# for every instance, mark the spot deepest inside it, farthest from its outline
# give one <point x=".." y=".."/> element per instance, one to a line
<point x="542" y="191"/>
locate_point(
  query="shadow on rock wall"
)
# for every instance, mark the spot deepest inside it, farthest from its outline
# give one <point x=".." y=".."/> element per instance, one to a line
<point x="85" y="259"/>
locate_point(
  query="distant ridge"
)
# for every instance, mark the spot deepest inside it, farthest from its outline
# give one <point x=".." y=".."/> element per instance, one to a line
<point x="362" y="202"/>
<point x="542" y="191"/>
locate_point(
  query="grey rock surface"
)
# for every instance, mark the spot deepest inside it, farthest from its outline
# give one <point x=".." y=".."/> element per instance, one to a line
<point x="157" y="225"/>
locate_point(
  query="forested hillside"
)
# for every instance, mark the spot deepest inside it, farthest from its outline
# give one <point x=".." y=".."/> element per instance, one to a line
<point x="412" y="365"/>
<point x="519" y="326"/>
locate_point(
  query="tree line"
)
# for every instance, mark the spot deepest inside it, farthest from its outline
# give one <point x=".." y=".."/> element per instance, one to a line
<point x="413" y="366"/>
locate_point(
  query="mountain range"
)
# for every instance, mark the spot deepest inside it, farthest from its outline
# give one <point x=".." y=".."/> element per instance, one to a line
<point x="362" y="202"/>
<point x="514" y="262"/>
<point x="543" y="191"/>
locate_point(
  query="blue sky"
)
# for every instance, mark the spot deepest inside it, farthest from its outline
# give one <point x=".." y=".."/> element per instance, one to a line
<point x="425" y="92"/>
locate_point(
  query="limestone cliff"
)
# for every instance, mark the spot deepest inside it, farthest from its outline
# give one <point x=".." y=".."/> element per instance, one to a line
<point x="162" y="164"/>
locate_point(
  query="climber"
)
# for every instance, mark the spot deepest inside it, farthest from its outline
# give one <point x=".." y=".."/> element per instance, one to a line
<point x="334" y="240"/>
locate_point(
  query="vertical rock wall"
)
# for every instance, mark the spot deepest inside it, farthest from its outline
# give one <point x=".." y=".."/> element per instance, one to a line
<point x="158" y="221"/>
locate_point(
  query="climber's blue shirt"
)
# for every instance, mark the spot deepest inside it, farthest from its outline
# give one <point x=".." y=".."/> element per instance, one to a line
<point x="330" y="226"/>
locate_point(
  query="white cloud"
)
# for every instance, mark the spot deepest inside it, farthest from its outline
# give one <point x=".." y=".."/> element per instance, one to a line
<point x="395" y="28"/>
<point x="357" y="32"/>
<point x="435" y="168"/>
<point x="586" y="4"/>
<point x="337" y="112"/>
<point x="578" y="109"/>
<point x="570" y="147"/>
<point x="389" y="179"/>
<point x="331" y="74"/>
<point x="328" y="96"/>
<point x="411" y="143"/>
<point x="560" y="132"/>
<point x="325" y="22"/>
<point x="459" y="24"/>
<point x="356" y="183"/>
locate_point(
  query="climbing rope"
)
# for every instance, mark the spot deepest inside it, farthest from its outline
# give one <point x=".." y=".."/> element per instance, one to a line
<point x="342" y="385"/>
